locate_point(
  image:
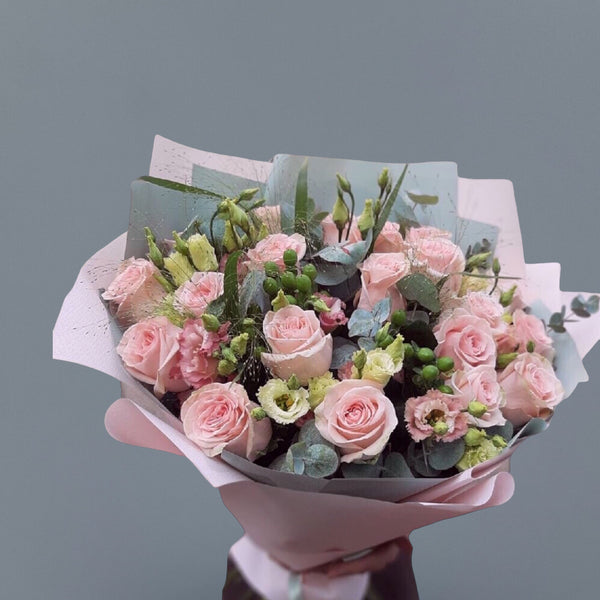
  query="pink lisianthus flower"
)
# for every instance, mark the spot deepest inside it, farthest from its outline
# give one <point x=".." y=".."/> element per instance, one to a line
<point x="217" y="417"/>
<point x="196" y="346"/>
<point x="390" y="239"/>
<point x="197" y="293"/>
<point x="271" y="249"/>
<point x="467" y="339"/>
<point x="379" y="275"/>
<point x="331" y="234"/>
<point x="336" y="315"/>
<point x="134" y="293"/>
<point x="150" y="353"/>
<point x="423" y="413"/>
<point x="480" y="384"/>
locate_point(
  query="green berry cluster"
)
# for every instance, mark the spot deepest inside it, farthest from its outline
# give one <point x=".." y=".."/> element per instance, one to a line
<point x="297" y="285"/>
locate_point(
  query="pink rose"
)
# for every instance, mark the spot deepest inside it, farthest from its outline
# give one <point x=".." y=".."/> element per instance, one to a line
<point x="480" y="384"/>
<point x="532" y="388"/>
<point x="390" y="239"/>
<point x="298" y="344"/>
<point x="272" y="248"/>
<point x="415" y="234"/>
<point x="424" y="412"/>
<point x="331" y="234"/>
<point x="485" y="306"/>
<point x="196" y="346"/>
<point x="134" y="293"/>
<point x="437" y="257"/>
<point x="149" y="350"/>
<point x="197" y="293"/>
<point x="528" y="328"/>
<point x="357" y="418"/>
<point x="217" y="417"/>
<point x="336" y="315"/>
<point x="379" y="275"/>
<point x="270" y="216"/>
<point x="465" y="338"/>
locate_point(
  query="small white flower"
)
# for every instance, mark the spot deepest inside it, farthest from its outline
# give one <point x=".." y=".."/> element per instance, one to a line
<point x="281" y="404"/>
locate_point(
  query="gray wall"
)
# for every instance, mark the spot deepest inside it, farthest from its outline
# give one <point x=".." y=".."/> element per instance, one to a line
<point x="506" y="89"/>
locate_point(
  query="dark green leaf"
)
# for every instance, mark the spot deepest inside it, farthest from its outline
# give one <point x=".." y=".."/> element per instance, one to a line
<point x="302" y="201"/>
<point x="420" y="333"/>
<point x="418" y="288"/>
<point x="385" y="213"/>
<point x="506" y="430"/>
<point x="230" y="286"/>
<point x="343" y="350"/>
<point x="330" y="274"/>
<point x="180" y="187"/>
<point x="444" y="455"/>
<point x="362" y="470"/>
<point x="578" y="306"/>
<point x="395" y="465"/>
<point x="423" y="198"/>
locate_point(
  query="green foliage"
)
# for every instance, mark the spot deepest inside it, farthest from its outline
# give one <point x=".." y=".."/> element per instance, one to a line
<point x="395" y="465"/>
<point x="444" y="455"/>
<point x="364" y="323"/>
<point x="231" y="288"/>
<point x="387" y="207"/>
<point x="343" y="350"/>
<point x="316" y="460"/>
<point x="424" y="199"/>
<point x="418" y="288"/>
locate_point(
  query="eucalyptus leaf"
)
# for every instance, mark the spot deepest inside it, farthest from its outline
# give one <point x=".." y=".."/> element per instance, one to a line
<point x="578" y="306"/>
<point x="423" y="198"/>
<point x="361" y="470"/>
<point x="367" y="343"/>
<point x="343" y="350"/>
<point x="295" y="458"/>
<point x="381" y="310"/>
<point x="506" y="430"/>
<point x="416" y="287"/>
<point x="593" y="304"/>
<point x="321" y="461"/>
<point x="280" y="464"/>
<point x="309" y="434"/>
<point x="416" y="460"/>
<point x="336" y="254"/>
<point x="251" y="291"/>
<point x="444" y="455"/>
<point x="361" y="323"/>
<point x="395" y="465"/>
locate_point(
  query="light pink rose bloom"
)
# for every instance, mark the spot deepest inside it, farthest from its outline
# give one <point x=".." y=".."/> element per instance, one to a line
<point x="149" y="350"/>
<point x="336" y="315"/>
<point x="531" y="387"/>
<point x="217" y="417"/>
<point x="134" y="293"/>
<point x="379" y="275"/>
<point x="415" y="234"/>
<point x="480" y="384"/>
<point x="345" y="371"/>
<point x="331" y="234"/>
<point x="272" y="248"/>
<point x="528" y="328"/>
<point x="467" y="339"/>
<point x="357" y="418"/>
<point x="423" y="412"/>
<point x="437" y="257"/>
<point x="196" y="346"/>
<point x="270" y="216"/>
<point x="298" y="344"/>
<point x="390" y="239"/>
<point x="197" y="293"/>
<point x="485" y="306"/>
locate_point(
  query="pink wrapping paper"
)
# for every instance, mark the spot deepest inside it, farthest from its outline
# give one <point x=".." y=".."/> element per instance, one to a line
<point x="294" y="533"/>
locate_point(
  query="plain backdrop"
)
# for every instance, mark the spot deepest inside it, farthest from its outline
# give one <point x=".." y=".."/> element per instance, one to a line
<point x="506" y="89"/>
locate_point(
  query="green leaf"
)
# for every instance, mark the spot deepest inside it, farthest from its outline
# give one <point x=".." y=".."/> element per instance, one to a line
<point x="423" y="198"/>
<point x="385" y="213"/>
<point x="381" y="310"/>
<point x="252" y="291"/>
<point x="366" y="343"/>
<point x="217" y="307"/>
<point x="420" y="333"/>
<point x="361" y="323"/>
<point x="578" y="306"/>
<point x="343" y="350"/>
<point x="309" y="434"/>
<point x="418" y="288"/>
<point x="416" y="460"/>
<point x="330" y="273"/>
<point x="444" y="455"/>
<point x="395" y="465"/>
<point x="556" y="322"/>
<point x="321" y="461"/>
<point x="593" y="304"/>
<point x="180" y="187"/>
<point x="506" y="430"/>
<point x="295" y="456"/>
<point x="302" y="200"/>
<point x="230" y="286"/>
<point x="361" y="470"/>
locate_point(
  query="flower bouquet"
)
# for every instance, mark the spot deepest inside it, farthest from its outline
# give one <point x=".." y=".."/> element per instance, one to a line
<point x="347" y="350"/>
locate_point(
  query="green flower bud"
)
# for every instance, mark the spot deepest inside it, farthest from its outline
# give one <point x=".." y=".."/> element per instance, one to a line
<point x="154" y="254"/>
<point x="210" y="322"/>
<point x="290" y="258"/>
<point x="506" y="297"/>
<point x="317" y="388"/>
<point x="229" y="355"/>
<point x="166" y="284"/>
<point x="425" y="355"/>
<point x="503" y="360"/>
<point x="440" y="428"/>
<point x="366" y="221"/>
<point x="258" y="413"/>
<point x="225" y="367"/>
<point x="386" y="341"/>
<point x="238" y="216"/>
<point x="409" y="351"/>
<point x="303" y="284"/>
<point x="180" y="244"/>
<point x="383" y="178"/>
<point x="430" y="372"/>
<point x="248" y="325"/>
<point x="239" y="344"/>
<point x="340" y="213"/>
<point x="398" y="318"/>
<point x="231" y="240"/>
<point x="477" y="409"/>
<point x="271" y="269"/>
<point x="382" y="334"/>
<point x="291" y="299"/>
<point x="310" y="271"/>
<point x="270" y="286"/>
<point x="496" y="267"/>
<point x="530" y="346"/>
<point x="397" y="350"/>
<point x="319" y="305"/>
<point x="474" y="437"/>
<point x="477" y="260"/>
<point x="499" y="441"/>
<point x="280" y="301"/>
<point x="343" y="183"/>
<point x="288" y="281"/>
<point x="248" y="194"/>
<point x="445" y="363"/>
<point x="202" y="253"/>
<point x="359" y="358"/>
<point x="179" y="267"/>
<point x="293" y="382"/>
<point x="377" y="207"/>
<point x="445" y="389"/>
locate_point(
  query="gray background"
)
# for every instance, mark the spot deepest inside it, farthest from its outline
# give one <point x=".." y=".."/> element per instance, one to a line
<point x="506" y="89"/>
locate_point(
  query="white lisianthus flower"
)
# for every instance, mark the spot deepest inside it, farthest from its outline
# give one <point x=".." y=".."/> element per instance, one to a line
<point x="379" y="367"/>
<point x="281" y="404"/>
<point x="317" y="388"/>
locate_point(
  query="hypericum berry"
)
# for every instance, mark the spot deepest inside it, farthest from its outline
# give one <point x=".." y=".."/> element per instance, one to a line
<point x="310" y="271"/>
<point x="445" y="363"/>
<point x="425" y="355"/>
<point x="303" y="284"/>
<point x="398" y="318"/>
<point x="271" y="269"/>
<point x="430" y="372"/>
<point x="445" y="389"/>
<point x="288" y="281"/>
<point x="290" y="258"/>
<point x="409" y="351"/>
<point x="270" y="286"/>
<point x="291" y="299"/>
